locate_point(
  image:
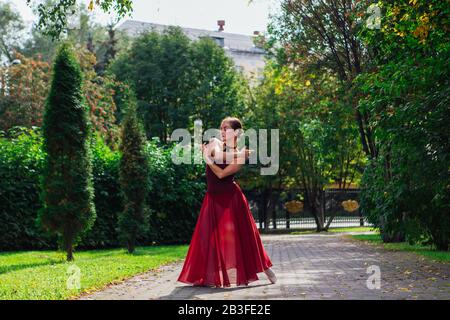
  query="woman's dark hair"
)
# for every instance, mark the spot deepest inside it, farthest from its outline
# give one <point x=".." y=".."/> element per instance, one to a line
<point x="235" y="124"/>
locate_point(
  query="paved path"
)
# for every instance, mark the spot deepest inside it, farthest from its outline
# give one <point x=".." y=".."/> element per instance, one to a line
<point x="315" y="266"/>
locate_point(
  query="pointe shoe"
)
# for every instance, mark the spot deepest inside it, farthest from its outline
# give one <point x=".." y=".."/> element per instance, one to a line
<point x="271" y="275"/>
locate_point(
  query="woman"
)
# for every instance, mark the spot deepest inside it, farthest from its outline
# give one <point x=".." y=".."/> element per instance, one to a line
<point x="226" y="247"/>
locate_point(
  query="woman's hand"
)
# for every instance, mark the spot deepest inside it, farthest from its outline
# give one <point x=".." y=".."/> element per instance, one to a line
<point x="206" y="155"/>
<point x="245" y="153"/>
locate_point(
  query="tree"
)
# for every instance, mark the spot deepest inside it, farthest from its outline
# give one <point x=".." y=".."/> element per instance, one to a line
<point x="23" y="88"/>
<point x="405" y="191"/>
<point x="82" y="30"/>
<point x="177" y="80"/>
<point x="134" y="173"/>
<point x="11" y="31"/>
<point x="324" y="35"/>
<point x="109" y="50"/>
<point x="219" y="89"/>
<point x="53" y="17"/>
<point x="318" y="139"/>
<point x="67" y="188"/>
<point x="99" y="94"/>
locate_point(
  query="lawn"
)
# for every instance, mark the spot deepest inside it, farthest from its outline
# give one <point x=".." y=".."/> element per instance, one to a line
<point x="422" y="250"/>
<point x="426" y="251"/>
<point x="346" y="229"/>
<point x="30" y="275"/>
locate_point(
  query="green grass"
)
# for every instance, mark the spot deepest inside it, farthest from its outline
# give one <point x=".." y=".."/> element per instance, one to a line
<point x="30" y="275"/>
<point x="347" y="229"/>
<point x="426" y="251"/>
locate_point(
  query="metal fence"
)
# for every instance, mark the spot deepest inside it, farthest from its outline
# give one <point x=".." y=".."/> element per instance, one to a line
<point x="332" y="207"/>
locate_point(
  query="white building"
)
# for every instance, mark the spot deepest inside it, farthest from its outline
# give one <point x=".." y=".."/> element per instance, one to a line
<point x="247" y="57"/>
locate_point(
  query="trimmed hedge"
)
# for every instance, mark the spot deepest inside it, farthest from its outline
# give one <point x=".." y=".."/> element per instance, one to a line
<point x="175" y="196"/>
<point x="21" y="162"/>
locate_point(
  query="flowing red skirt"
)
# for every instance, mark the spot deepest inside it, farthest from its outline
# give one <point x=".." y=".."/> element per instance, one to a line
<point x="226" y="247"/>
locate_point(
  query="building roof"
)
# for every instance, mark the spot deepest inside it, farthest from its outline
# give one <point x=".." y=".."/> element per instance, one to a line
<point x="231" y="41"/>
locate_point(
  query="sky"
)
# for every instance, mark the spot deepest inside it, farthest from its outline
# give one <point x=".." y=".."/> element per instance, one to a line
<point x="241" y="16"/>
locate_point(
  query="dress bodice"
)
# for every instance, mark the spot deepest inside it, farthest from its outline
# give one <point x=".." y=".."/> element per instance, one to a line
<point x="216" y="185"/>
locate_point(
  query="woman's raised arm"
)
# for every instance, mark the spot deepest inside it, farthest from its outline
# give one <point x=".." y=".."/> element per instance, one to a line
<point x="218" y="171"/>
<point x="228" y="170"/>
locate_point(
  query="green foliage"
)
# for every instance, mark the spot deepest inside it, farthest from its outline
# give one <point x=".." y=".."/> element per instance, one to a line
<point x="177" y="81"/>
<point x="218" y="90"/>
<point x="407" y="97"/>
<point x="408" y="27"/>
<point x="21" y="163"/>
<point x="108" y="199"/>
<point x="318" y="139"/>
<point x="67" y="190"/>
<point x="173" y="194"/>
<point x="53" y="17"/>
<point x="11" y="31"/>
<point x="133" y="177"/>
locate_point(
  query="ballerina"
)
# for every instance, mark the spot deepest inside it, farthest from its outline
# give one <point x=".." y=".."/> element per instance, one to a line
<point x="226" y="246"/>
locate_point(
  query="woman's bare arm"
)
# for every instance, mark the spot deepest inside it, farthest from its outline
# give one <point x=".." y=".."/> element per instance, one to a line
<point x="222" y="173"/>
<point x="214" y="145"/>
<point x="218" y="171"/>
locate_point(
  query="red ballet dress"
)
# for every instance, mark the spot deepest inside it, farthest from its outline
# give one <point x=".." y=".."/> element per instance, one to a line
<point x="226" y="247"/>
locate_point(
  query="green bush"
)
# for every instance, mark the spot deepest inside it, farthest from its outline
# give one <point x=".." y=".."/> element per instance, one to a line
<point x="108" y="202"/>
<point x="21" y="161"/>
<point x="175" y="195"/>
<point x="405" y="189"/>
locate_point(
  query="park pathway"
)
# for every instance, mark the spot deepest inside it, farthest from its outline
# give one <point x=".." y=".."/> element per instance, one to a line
<point x="310" y="266"/>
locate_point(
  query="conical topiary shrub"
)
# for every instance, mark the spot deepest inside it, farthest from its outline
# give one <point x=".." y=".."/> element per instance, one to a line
<point x="134" y="172"/>
<point x="67" y="190"/>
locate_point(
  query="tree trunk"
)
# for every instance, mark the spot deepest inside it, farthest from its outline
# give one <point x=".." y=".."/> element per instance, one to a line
<point x="441" y="240"/>
<point x="68" y="246"/>
<point x="330" y="219"/>
<point x="390" y="236"/>
<point x="316" y="210"/>
<point x="311" y="201"/>
<point x="319" y="221"/>
<point x="130" y="245"/>
<point x="442" y="246"/>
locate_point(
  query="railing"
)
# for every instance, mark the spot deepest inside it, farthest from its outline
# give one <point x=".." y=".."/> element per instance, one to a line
<point x="331" y="202"/>
<point x="309" y="223"/>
